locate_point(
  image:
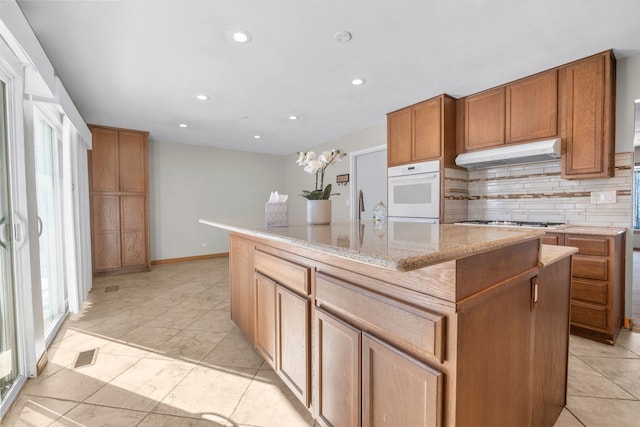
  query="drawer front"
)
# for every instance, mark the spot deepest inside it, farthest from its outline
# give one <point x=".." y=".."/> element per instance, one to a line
<point x="406" y="326"/>
<point x="589" y="245"/>
<point x="293" y="276"/>
<point x="584" y="314"/>
<point x="590" y="291"/>
<point x="590" y="267"/>
<point x="552" y="239"/>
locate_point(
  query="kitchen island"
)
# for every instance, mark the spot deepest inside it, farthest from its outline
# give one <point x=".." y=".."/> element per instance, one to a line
<point x="406" y="324"/>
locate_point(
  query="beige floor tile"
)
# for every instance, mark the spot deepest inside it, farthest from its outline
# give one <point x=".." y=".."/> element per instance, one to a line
<point x="36" y="411"/>
<point x="623" y="372"/>
<point x="566" y="419"/>
<point x="234" y="351"/>
<point x="213" y="392"/>
<point x="224" y="305"/>
<point x="64" y="384"/>
<point x="584" y="347"/>
<point x="595" y="412"/>
<point x="268" y="402"/>
<point x="143" y="385"/>
<point x="161" y="420"/>
<point x="585" y="381"/>
<point x="82" y="341"/>
<point x="630" y="340"/>
<point x="107" y="366"/>
<point x="213" y="321"/>
<point x="176" y="318"/>
<point x="188" y="346"/>
<point x="137" y="316"/>
<point x="110" y="331"/>
<point x="141" y="341"/>
<point x="99" y="416"/>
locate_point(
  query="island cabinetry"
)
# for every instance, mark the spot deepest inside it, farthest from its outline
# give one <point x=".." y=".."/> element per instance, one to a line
<point x="361" y="348"/>
<point x="424" y="131"/>
<point x="282" y="319"/>
<point x="587" y="98"/>
<point x="597" y="286"/>
<point x="241" y="279"/>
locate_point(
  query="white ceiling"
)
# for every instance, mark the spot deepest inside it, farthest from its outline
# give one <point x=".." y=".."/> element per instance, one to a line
<point x="139" y="63"/>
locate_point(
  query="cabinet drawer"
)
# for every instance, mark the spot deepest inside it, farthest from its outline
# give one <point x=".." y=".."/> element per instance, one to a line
<point x="293" y="276"/>
<point x="589" y="245"/>
<point x="589" y="314"/>
<point x="590" y="291"/>
<point x="406" y="326"/>
<point x="590" y="267"/>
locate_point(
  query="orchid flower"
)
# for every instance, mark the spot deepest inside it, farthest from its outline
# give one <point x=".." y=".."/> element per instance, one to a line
<point x="317" y="166"/>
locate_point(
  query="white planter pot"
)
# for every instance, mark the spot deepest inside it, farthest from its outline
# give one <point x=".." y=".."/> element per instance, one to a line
<point x="318" y="211"/>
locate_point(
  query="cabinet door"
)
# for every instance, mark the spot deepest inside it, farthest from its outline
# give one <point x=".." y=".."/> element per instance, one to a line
<point x="106" y="232"/>
<point x="133" y="223"/>
<point x="265" y="329"/>
<point x="336" y="372"/>
<point x="104" y="160"/>
<point x="133" y="161"/>
<point x="396" y="389"/>
<point x="399" y="137"/>
<point x="587" y="117"/>
<point x="427" y="130"/>
<point x="484" y="119"/>
<point x="242" y="285"/>
<point x="551" y="343"/>
<point x="293" y="326"/>
<point x="532" y="108"/>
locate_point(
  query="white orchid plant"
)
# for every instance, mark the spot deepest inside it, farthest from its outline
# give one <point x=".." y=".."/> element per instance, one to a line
<point x="317" y="165"/>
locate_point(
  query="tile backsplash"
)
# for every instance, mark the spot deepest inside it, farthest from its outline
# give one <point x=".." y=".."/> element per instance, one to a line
<point x="536" y="192"/>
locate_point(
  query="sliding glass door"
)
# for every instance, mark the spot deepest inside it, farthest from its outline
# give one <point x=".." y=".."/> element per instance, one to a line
<point x="8" y="345"/>
<point x="54" y="297"/>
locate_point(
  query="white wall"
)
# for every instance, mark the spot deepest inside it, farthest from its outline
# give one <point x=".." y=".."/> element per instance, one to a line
<point x="297" y="180"/>
<point x="189" y="182"/>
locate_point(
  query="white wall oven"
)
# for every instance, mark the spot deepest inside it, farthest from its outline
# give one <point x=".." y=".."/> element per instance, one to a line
<point x="414" y="191"/>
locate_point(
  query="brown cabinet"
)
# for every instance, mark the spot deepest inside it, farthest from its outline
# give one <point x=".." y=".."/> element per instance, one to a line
<point x="597" y="286"/>
<point x="118" y="179"/>
<point x="587" y="100"/>
<point x="282" y="320"/>
<point x="484" y="119"/>
<point x="532" y="108"/>
<point x="241" y="280"/>
<point x="423" y="131"/>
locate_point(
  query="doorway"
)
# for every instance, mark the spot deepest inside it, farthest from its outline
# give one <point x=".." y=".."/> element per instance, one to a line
<point x="369" y="170"/>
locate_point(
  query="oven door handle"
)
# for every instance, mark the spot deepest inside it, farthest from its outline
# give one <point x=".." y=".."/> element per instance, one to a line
<point x="412" y="177"/>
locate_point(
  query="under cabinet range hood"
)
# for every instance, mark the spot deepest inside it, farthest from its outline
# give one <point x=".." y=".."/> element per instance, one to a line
<point x="531" y="152"/>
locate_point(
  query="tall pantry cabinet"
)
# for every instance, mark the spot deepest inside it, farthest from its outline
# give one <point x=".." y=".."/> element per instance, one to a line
<point x="119" y="189"/>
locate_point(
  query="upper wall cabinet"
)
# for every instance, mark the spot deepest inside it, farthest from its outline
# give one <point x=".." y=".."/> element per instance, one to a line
<point x="484" y="119"/>
<point x="532" y="108"/>
<point x="525" y="110"/>
<point x="423" y="131"/>
<point x="120" y="160"/>
<point x="587" y="99"/>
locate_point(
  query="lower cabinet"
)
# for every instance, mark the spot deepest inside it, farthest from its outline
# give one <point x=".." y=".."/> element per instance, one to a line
<point x="283" y="327"/>
<point x="356" y="373"/>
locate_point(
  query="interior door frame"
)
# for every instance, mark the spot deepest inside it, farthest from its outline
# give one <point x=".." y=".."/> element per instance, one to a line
<point x="353" y="197"/>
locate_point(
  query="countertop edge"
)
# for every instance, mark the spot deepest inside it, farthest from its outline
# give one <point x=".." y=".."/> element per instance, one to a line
<point x="550" y="254"/>
<point x="403" y="265"/>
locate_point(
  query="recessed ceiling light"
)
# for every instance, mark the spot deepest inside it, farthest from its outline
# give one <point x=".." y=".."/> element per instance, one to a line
<point x="241" y="36"/>
<point x="358" y="81"/>
<point x="257" y="136"/>
<point x="183" y="125"/>
<point x="293" y="117"/>
<point x="202" y="97"/>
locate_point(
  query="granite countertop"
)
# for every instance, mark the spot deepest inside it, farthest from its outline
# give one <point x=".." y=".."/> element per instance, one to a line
<point x="401" y="246"/>
<point x="550" y="254"/>
<point x="595" y="231"/>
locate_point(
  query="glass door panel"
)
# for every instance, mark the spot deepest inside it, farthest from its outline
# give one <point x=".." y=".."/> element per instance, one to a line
<point x="49" y="223"/>
<point x="8" y="348"/>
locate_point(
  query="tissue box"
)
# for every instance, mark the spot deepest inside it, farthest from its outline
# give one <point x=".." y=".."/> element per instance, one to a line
<point x="276" y="214"/>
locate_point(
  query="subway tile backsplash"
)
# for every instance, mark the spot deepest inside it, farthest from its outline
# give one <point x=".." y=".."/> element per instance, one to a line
<point x="536" y="192"/>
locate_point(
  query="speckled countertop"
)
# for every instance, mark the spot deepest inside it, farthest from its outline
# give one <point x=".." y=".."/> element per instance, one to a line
<point x="402" y="246"/>
<point x="550" y="254"/>
<point x="596" y="231"/>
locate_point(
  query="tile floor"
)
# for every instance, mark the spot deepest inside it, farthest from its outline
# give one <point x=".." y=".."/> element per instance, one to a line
<point x="168" y="355"/>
